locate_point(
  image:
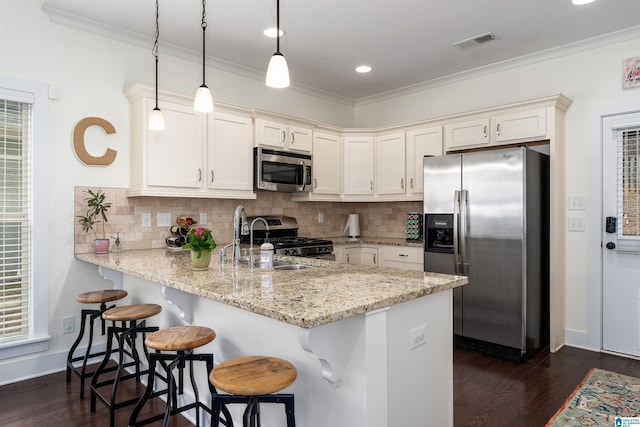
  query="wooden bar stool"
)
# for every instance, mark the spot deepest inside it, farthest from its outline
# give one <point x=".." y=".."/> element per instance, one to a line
<point x="126" y="335"/>
<point x="254" y="380"/>
<point x="181" y="341"/>
<point x="101" y="297"/>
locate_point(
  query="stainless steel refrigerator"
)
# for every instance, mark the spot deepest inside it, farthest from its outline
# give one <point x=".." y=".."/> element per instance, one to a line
<point x="487" y="217"/>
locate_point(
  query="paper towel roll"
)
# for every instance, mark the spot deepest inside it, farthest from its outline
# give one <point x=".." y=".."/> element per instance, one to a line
<point x="352" y="229"/>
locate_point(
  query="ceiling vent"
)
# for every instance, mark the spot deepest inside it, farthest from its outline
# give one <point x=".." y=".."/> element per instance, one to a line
<point x="475" y="41"/>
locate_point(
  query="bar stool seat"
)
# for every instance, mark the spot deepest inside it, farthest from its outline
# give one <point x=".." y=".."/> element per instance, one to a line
<point x="255" y="377"/>
<point x="133" y="323"/>
<point x="182" y="340"/>
<point x="101" y="297"/>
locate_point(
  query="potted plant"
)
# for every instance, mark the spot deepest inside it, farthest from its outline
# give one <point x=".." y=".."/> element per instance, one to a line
<point x="96" y="214"/>
<point x="201" y="244"/>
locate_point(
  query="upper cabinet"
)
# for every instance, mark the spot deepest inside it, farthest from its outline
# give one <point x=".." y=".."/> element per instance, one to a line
<point x="508" y="128"/>
<point x="197" y="155"/>
<point x="283" y="135"/>
<point x="420" y="143"/>
<point x="358" y="165"/>
<point x="390" y="163"/>
<point x="229" y="153"/>
<point x="327" y="163"/>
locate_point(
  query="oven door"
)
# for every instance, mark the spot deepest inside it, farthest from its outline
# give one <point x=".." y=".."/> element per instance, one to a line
<point x="281" y="171"/>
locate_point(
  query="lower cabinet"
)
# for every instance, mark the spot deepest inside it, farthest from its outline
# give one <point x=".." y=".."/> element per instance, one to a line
<point x="403" y="257"/>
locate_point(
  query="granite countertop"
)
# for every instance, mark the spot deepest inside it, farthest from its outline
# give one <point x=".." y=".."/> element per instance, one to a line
<point x="392" y="241"/>
<point x="310" y="297"/>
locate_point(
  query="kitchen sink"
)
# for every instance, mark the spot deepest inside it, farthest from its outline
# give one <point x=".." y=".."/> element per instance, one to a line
<point x="290" y="266"/>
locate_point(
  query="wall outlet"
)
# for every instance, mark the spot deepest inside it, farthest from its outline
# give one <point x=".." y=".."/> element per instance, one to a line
<point x="146" y="219"/>
<point x="163" y="219"/>
<point x="69" y="324"/>
<point x="417" y="336"/>
<point x="320" y="217"/>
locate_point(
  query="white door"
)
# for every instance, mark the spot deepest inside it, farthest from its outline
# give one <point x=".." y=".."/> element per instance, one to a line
<point x="621" y="244"/>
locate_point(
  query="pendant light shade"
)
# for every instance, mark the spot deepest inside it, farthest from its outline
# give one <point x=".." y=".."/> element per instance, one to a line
<point x="156" y="118"/>
<point x="278" y="71"/>
<point x="203" y="101"/>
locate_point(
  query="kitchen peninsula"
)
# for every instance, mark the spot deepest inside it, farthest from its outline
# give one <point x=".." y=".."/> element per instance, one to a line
<point x="372" y="347"/>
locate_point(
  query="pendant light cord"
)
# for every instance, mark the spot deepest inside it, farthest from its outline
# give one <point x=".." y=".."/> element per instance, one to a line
<point x="154" y="50"/>
<point x="277" y="26"/>
<point x="204" y="28"/>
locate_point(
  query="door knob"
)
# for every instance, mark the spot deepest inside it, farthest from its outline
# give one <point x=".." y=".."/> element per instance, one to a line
<point x="611" y="245"/>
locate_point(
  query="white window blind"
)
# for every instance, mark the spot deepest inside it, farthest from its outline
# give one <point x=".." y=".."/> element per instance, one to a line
<point x="15" y="167"/>
<point x="628" y="183"/>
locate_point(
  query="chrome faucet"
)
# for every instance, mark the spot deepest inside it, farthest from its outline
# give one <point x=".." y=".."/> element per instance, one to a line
<point x="251" y="257"/>
<point x="240" y="226"/>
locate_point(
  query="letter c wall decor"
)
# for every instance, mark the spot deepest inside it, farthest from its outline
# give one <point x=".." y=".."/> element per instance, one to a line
<point x="80" y="149"/>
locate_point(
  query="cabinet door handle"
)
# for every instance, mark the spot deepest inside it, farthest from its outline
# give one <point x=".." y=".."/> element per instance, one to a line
<point x="347" y="258"/>
<point x="315" y="183"/>
<point x="484" y="131"/>
<point x="371" y="185"/>
<point x="403" y="255"/>
<point x="498" y="129"/>
<point x="212" y="175"/>
<point x="283" y="136"/>
<point x="199" y="174"/>
<point x="293" y="137"/>
<point x="411" y="182"/>
<point x="374" y="259"/>
<point x="402" y="183"/>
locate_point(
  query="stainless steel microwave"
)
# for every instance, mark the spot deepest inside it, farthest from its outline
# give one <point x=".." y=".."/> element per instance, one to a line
<point x="285" y="171"/>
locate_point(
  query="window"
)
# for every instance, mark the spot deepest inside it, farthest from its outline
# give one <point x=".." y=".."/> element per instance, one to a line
<point x="23" y="215"/>
<point x="628" y="147"/>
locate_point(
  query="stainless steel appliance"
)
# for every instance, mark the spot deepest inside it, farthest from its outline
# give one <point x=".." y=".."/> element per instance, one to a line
<point x="275" y="170"/>
<point x="487" y="217"/>
<point x="283" y="234"/>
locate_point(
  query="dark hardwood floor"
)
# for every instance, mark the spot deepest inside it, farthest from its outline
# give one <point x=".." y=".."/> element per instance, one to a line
<point x="488" y="391"/>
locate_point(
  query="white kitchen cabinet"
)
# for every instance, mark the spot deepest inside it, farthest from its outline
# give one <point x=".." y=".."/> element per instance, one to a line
<point x="327" y="163"/>
<point x="515" y="127"/>
<point x="509" y="128"/>
<point x="390" y="153"/>
<point x="339" y="251"/>
<point x="467" y="134"/>
<point x="361" y="255"/>
<point x="420" y="143"/>
<point x="229" y="152"/>
<point x="404" y="257"/>
<point x="197" y="155"/>
<point x="358" y="165"/>
<point x="283" y="135"/>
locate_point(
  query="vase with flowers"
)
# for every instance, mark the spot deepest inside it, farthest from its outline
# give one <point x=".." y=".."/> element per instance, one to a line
<point x="201" y="244"/>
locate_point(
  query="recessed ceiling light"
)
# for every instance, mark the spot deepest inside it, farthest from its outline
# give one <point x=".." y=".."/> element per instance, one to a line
<point x="581" y="2"/>
<point x="271" y="32"/>
<point x="363" y="69"/>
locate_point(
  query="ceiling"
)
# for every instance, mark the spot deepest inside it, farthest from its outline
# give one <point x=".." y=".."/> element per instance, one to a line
<point x="406" y="42"/>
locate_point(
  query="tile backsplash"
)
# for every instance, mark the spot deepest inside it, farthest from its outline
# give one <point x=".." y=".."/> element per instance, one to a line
<point x="377" y="219"/>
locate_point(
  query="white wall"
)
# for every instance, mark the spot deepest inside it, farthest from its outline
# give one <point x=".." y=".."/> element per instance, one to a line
<point x="91" y="73"/>
<point x="591" y="78"/>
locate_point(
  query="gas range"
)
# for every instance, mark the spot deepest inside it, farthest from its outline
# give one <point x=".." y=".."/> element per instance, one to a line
<point x="283" y="234"/>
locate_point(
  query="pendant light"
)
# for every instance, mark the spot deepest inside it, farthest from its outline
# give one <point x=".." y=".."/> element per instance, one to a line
<point x="204" y="100"/>
<point x="278" y="72"/>
<point x="156" y="118"/>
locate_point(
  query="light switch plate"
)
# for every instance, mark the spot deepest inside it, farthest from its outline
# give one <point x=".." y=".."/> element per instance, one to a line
<point x="163" y="219"/>
<point x="203" y="218"/>
<point x="577" y="203"/>
<point x="576" y="224"/>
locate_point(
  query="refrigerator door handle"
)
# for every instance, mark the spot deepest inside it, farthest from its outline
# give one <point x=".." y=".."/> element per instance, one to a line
<point x="456" y="217"/>
<point x="464" y="265"/>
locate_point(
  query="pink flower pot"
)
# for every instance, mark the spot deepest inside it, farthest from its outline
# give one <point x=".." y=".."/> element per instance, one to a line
<point x="101" y="245"/>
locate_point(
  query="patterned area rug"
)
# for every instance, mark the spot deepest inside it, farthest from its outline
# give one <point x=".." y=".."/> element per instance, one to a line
<point x="598" y="400"/>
